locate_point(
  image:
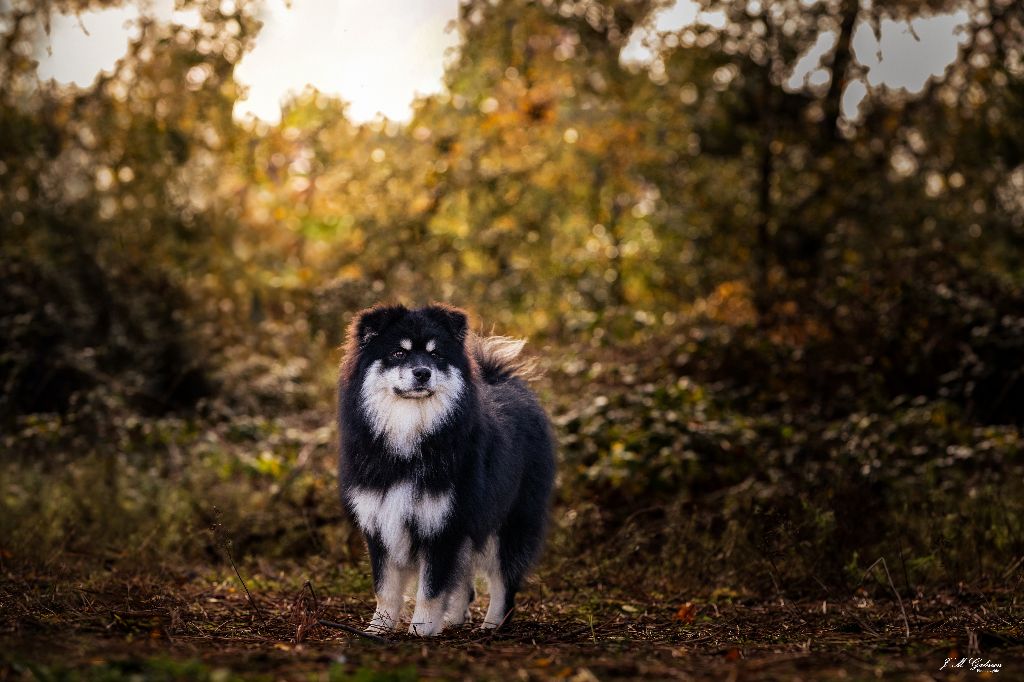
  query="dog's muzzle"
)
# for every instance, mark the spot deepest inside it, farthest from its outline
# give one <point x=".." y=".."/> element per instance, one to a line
<point x="420" y="388"/>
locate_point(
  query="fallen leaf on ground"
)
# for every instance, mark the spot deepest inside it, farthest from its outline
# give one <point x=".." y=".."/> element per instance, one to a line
<point x="686" y="613"/>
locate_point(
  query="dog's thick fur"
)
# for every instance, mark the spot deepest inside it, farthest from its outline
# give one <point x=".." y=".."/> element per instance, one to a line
<point x="447" y="463"/>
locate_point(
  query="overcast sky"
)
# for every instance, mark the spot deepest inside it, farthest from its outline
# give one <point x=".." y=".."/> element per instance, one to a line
<point x="380" y="55"/>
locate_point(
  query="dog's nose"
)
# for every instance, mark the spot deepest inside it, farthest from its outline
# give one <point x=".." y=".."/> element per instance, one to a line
<point x="422" y="374"/>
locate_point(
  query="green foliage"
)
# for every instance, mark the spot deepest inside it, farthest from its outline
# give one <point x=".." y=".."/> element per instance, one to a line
<point x="171" y="489"/>
<point x="794" y="448"/>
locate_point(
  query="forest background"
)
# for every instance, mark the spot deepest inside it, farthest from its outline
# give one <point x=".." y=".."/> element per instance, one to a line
<point x="782" y="335"/>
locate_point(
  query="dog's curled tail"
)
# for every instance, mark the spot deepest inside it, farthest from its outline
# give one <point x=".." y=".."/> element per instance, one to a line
<point x="499" y="360"/>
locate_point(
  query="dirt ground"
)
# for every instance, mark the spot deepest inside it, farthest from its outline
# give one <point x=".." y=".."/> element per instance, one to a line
<point x="115" y="625"/>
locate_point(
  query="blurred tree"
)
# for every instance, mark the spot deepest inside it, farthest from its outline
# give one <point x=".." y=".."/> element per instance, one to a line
<point x="825" y="187"/>
<point x="550" y="186"/>
<point x="109" y="225"/>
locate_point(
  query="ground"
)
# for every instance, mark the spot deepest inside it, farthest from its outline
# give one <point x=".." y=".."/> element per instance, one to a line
<point x="112" y="623"/>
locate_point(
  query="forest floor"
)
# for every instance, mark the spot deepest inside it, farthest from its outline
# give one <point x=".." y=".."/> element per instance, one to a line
<point x="112" y="624"/>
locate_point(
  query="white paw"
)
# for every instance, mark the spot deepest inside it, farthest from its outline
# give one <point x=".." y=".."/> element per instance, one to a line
<point x="381" y="624"/>
<point x="487" y="625"/>
<point x="426" y="629"/>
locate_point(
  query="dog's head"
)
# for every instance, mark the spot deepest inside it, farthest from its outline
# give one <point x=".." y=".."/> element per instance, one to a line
<point x="414" y="354"/>
<point x="411" y="369"/>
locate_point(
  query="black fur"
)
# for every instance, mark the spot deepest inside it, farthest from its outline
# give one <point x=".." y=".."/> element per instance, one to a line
<point x="494" y="454"/>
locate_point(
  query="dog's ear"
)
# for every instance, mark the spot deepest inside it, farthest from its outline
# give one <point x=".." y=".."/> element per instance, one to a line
<point x="372" y="321"/>
<point x="452" y="319"/>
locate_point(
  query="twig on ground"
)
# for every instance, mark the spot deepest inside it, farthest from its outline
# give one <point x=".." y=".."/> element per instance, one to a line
<point x="495" y="629"/>
<point x="353" y="631"/>
<point x="305" y="611"/>
<point x="507" y="616"/>
<point x="1013" y="567"/>
<point x="702" y="638"/>
<point x="225" y="544"/>
<point x="899" y="600"/>
<point x="867" y="628"/>
<point x="491" y="634"/>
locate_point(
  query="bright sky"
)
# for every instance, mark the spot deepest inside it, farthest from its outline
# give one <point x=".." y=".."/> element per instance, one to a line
<point x="908" y="61"/>
<point x="379" y="55"/>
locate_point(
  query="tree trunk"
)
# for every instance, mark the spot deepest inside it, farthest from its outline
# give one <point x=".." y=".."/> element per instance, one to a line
<point x="841" y="59"/>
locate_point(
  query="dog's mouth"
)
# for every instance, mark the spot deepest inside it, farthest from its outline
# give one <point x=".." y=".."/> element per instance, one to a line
<point x="413" y="393"/>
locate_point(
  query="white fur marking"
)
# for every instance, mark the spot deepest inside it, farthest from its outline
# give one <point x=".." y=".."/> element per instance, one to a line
<point x="490" y="565"/>
<point x="386" y="514"/>
<point x="431" y="345"/>
<point x="404" y="421"/>
<point x="390" y="598"/>
<point x="389" y="513"/>
<point x="406" y="344"/>
<point x="431" y="512"/>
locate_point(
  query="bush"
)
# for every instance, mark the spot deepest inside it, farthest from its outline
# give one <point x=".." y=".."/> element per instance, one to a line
<point x="73" y="328"/>
<point x="926" y="326"/>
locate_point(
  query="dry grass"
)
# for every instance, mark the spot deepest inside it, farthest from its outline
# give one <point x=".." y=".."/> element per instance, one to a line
<point x="98" y="622"/>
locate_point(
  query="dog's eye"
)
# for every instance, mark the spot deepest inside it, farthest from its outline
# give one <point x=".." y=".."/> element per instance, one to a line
<point x="398" y="355"/>
<point x="435" y="355"/>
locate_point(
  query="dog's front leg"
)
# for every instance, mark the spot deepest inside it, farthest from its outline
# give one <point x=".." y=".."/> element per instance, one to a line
<point x="443" y="571"/>
<point x="431" y="600"/>
<point x="390" y="578"/>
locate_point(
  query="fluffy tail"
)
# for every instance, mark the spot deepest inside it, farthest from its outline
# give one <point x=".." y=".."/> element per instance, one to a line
<point x="498" y="358"/>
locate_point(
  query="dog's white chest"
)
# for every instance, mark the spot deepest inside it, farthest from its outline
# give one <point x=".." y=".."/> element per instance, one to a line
<point x="402" y="422"/>
<point x="391" y="513"/>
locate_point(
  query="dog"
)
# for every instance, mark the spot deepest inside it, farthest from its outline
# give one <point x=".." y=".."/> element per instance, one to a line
<point x="447" y="463"/>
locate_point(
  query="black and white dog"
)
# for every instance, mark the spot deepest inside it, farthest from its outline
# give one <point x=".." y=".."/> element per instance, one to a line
<point x="447" y="463"/>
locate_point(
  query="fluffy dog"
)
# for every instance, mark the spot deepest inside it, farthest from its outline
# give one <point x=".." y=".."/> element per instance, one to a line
<point x="447" y="463"/>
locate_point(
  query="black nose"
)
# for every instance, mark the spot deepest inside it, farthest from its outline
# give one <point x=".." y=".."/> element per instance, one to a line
<point x="421" y="374"/>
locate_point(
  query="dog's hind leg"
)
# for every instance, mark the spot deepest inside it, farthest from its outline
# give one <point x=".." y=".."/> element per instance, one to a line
<point x="497" y="585"/>
<point x="499" y="597"/>
<point x="458" y="603"/>
<point x="458" y="609"/>
<point x="511" y="556"/>
<point x="462" y="594"/>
